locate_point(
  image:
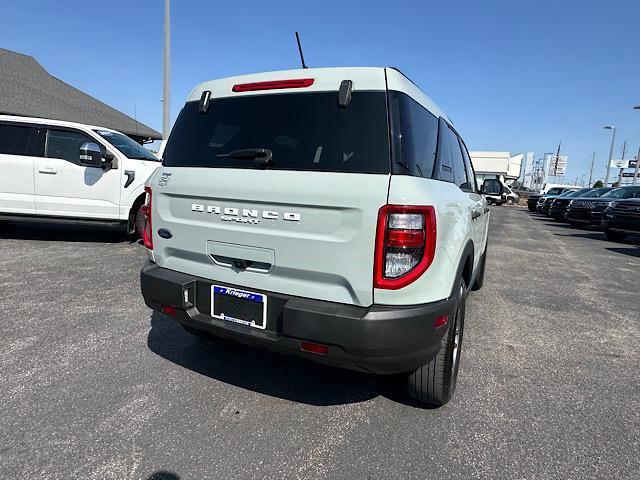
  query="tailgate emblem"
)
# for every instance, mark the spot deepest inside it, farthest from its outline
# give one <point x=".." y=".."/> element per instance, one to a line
<point x="164" y="179"/>
<point x="244" y="215"/>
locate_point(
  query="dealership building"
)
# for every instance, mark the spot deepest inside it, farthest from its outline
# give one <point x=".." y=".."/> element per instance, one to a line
<point x="500" y="165"/>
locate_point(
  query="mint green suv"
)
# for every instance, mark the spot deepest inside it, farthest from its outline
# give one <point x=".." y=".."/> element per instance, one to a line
<point x="327" y="213"/>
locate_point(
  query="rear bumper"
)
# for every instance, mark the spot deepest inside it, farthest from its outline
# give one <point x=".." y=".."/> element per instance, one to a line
<point x="377" y="339"/>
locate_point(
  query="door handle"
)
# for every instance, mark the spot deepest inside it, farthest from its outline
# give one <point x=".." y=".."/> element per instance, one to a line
<point x="475" y="214"/>
<point x="49" y="170"/>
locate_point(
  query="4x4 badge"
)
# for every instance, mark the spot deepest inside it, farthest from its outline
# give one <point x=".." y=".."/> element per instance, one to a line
<point x="164" y="179"/>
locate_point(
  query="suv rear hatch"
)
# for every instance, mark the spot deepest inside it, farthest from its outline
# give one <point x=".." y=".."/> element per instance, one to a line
<point x="302" y="223"/>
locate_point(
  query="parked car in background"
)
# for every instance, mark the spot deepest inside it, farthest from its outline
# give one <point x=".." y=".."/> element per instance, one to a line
<point x="534" y="198"/>
<point x="584" y="211"/>
<point x="544" y="204"/>
<point x="558" y="209"/>
<point x="70" y="172"/>
<point x="512" y="197"/>
<point x="291" y="213"/>
<point x="621" y="218"/>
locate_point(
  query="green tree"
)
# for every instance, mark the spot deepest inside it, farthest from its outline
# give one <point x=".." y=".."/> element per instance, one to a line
<point x="598" y="184"/>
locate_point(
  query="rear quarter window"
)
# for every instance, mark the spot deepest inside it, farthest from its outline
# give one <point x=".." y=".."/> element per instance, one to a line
<point x="308" y="132"/>
<point x="414" y="136"/>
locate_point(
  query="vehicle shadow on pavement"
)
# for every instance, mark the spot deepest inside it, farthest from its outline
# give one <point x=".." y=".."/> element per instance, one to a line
<point x="163" y="475"/>
<point x="265" y="372"/>
<point x="49" y="232"/>
<point x="633" y="251"/>
<point x="583" y="234"/>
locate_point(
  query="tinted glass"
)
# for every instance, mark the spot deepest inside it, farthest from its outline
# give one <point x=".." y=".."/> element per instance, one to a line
<point x="577" y="193"/>
<point x="597" y="192"/>
<point x="457" y="160"/>
<point x="126" y="145"/>
<point x="444" y="163"/>
<point x="555" y="191"/>
<point x="14" y="139"/>
<point x="414" y="136"/>
<point x="303" y="131"/>
<point x="65" y="144"/>
<point x="471" y="175"/>
<point x="624" y="192"/>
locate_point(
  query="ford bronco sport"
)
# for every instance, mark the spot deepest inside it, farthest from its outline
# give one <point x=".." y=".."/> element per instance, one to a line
<point x="330" y="213"/>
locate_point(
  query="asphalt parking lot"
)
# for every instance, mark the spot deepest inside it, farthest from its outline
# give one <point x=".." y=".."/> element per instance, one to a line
<point x="93" y="385"/>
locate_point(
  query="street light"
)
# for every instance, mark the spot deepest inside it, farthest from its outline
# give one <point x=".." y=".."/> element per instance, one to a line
<point x="613" y="139"/>
<point x="635" y="173"/>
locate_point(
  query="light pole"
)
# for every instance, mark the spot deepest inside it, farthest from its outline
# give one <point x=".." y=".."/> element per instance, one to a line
<point x="166" y="124"/>
<point x="635" y="172"/>
<point x="613" y="140"/>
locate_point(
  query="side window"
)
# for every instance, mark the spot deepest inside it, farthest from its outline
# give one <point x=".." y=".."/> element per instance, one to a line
<point x="457" y="161"/>
<point x="471" y="175"/>
<point x="65" y="144"/>
<point x="444" y="164"/>
<point x="414" y="136"/>
<point x="14" y="139"/>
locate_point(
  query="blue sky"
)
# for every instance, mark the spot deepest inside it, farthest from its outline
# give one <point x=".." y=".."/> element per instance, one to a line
<point x="514" y="75"/>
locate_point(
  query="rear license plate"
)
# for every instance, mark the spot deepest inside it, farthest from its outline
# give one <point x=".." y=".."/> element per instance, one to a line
<point x="239" y="306"/>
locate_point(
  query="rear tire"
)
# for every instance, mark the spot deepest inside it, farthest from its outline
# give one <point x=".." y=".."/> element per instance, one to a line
<point x="614" y="236"/>
<point x="434" y="383"/>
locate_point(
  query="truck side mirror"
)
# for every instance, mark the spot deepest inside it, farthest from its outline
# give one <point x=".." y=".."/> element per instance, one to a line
<point x="491" y="186"/>
<point x="90" y="154"/>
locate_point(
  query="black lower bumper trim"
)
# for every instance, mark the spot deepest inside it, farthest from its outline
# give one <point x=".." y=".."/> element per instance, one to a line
<point x="378" y="339"/>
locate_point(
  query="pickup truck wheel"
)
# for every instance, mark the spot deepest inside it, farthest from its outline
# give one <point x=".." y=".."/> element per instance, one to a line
<point x="614" y="236"/>
<point x="433" y="384"/>
<point x="479" y="281"/>
<point x="138" y="223"/>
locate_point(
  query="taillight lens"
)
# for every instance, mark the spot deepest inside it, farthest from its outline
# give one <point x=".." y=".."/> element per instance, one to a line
<point x="405" y="244"/>
<point x="145" y="209"/>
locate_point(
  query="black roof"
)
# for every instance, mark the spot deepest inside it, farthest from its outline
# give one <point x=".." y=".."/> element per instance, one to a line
<point x="27" y="89"/>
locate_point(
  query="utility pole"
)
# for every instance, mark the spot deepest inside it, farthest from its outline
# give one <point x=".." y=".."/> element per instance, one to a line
<point x="613" y="140"/>
<point x="555" y="166"/>
<point x="635" y="173"/>
<point x="166" y="127"/>
<point x="593" y="159"/>
<point x="624" y="151"/>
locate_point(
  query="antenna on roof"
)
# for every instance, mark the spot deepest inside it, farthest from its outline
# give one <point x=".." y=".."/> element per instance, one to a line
<point x="300" y="50"/>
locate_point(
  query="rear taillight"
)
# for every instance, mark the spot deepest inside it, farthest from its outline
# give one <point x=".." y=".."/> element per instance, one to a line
<point x="405" y="244"/>
<point x="145" y="209"/>
<point x="273" y="85"/>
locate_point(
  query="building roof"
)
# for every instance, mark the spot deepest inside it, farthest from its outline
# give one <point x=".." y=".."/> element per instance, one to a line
<point x="27" y="89"/>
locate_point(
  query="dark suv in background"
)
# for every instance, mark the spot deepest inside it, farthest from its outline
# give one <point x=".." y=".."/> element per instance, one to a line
<point x="558" y="209"/>
<point x="621" y="218"/>
<point x="532" y="198"/>
<point x="583" y="211"/>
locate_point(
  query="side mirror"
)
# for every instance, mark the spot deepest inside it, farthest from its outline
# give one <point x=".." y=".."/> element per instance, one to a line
<point x="90" y="154"/>
<point x="491" y="186"/>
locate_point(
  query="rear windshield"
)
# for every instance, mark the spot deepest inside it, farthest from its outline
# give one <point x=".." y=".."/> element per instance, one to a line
<point x="308" y="132"/>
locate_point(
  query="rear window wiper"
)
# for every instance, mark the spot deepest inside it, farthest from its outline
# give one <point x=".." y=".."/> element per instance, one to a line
<point x="261" y="156"/>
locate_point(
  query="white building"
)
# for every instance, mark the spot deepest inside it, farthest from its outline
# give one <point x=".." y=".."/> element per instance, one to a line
<point x="501" y="165"/>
